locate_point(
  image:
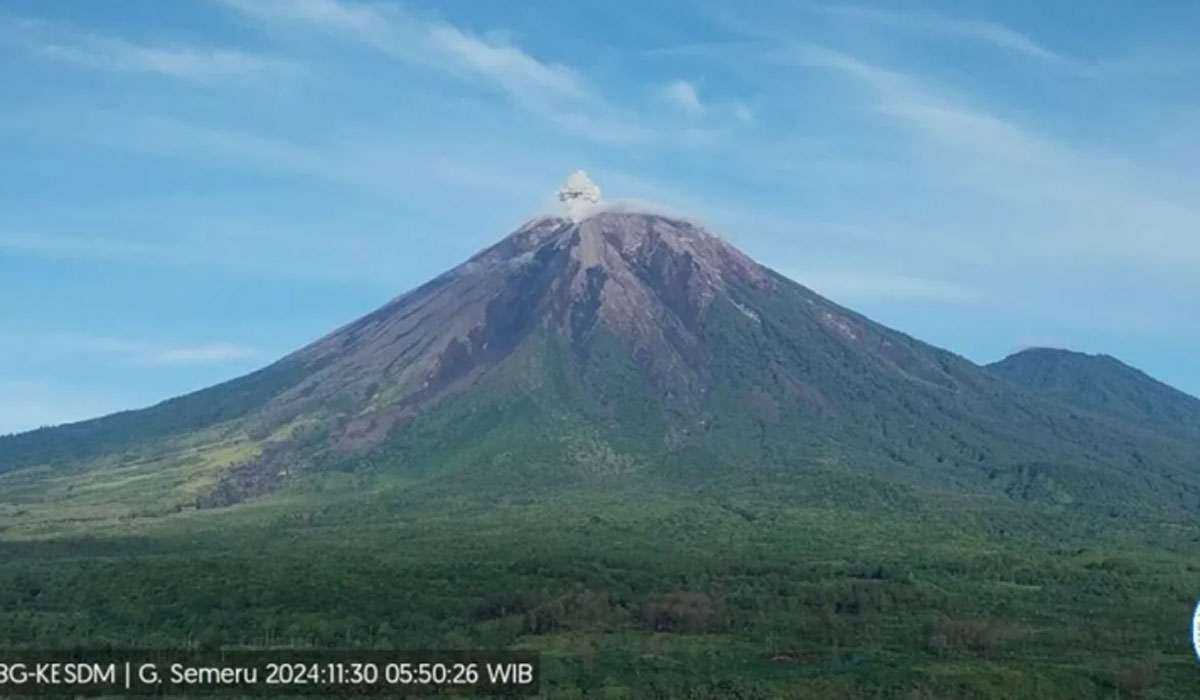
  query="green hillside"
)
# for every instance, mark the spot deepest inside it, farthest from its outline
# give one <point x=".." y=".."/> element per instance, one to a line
<point x="669" y="469"/>
<point x="1104" y="385"/>
<point x="783" y="583"/>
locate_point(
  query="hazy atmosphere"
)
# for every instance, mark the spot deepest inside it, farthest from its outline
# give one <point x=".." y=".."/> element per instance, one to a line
<point x="710" y="350"/>
<point x="190" y="194"/>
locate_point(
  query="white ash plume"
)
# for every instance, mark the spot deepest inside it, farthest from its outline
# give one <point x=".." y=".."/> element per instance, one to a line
<point x="578" y="195"/>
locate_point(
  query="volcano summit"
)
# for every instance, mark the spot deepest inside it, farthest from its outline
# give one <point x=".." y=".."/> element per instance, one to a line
<point x="615" y="439"/>
<point x="607" y="342"/>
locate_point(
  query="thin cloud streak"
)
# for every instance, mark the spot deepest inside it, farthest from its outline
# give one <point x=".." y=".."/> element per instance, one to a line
<point x="1154" y="62"/>
<point x="203" y="354"/>
<point x="1088" y="203"/>
<point x="26" y="405"/>
<point x="684" y="96"/>
<point x="367" y="23"/>
<point x="113" y="54"/>
<point x="147" y="353"/>
<point x="851" y="284"/>
<point x="509" y="66"/>
<point x="553" y="91"/>
<point x="996" y="35"/>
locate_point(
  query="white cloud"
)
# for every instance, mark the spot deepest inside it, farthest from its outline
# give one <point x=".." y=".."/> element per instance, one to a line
<point x="207" y="353"/>
<point x="551" y="90"/>
<point x="996" y="35"/>
<point x="149" y="353"/>
<point x="1077" y="205"/>
<point x="114" y="54"/>
<point x="743" y="113"/>
<point x="73" y="247"/>
<point x="642" y="206"/>
<point x="684" y="96"/>
<point x="367" y="22"/>
<point x="509" y="66"/>
<point x="179" y="62"/>
<point x="856" y="285"/>
<point x="368" y="160"/>
<point x="327" y="248"/>
<point x="28" y="405"/>
<point x="1156" y="61"/>
<point x="161" y="353"/>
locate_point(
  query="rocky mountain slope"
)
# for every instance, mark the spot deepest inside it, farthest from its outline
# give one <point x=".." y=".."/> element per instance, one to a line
<point x="610" y="341"/>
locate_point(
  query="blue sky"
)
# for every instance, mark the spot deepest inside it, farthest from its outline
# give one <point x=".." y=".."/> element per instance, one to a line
<point x="189" y="190"/>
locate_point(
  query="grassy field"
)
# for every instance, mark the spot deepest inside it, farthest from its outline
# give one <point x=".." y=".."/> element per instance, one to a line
<point x="785" y="584"/>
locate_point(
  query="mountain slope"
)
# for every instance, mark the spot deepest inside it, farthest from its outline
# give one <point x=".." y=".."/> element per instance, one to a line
<point x="1104" y="385"/>
<point x="617" y="342"/>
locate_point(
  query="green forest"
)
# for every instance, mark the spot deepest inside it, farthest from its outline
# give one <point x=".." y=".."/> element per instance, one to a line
<point x="817" y="507"/>
<point x="777" y="585"/>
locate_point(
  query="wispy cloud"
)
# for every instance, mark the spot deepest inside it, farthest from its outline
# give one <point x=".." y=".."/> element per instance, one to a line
<point x="509" y="66"/>
<point x="206" y="353"/>
<point x="73" y="247"/>
<point x="140" y="352"/>
<point x="155" y="353"/>
<point x="26" y="405"/>
<point x="684" y="96"/>
<point x="317" y="256"/>
<point x="391" y="29"/>
<point x="743" y="112"/>
<point x="552" y="90"/>
<point x="106" y="53"/>
<point x="854" y="284"/>
<point x="367" y="159"/>
<point x="372" y="23"/>
<point x="1156" y="61"/>
<point x="180" y="62"/>
<point x="1077" y="204"/>
<point x="996" y="35"/>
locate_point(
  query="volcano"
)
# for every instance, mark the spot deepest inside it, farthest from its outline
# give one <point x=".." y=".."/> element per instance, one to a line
<point x="610" y="340"/>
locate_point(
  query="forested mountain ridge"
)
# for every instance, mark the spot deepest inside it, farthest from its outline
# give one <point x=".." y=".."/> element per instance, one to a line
<point x="628" y="342"/>
<point x="1104" y="385"/>
<point x="617" y="440"/>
